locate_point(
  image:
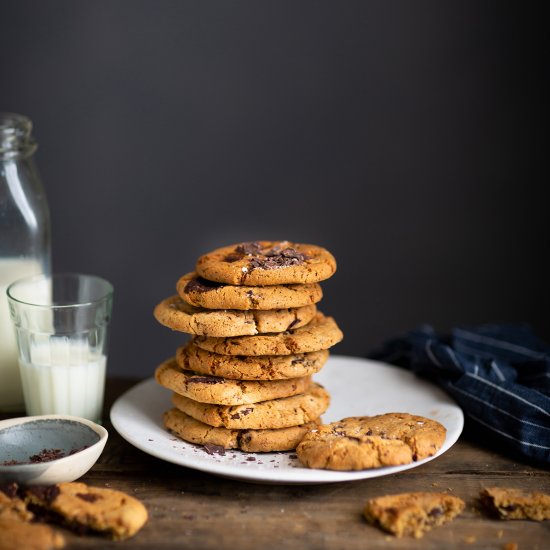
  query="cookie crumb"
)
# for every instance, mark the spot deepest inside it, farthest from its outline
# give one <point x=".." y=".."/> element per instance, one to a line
<point x="470" y="539"/>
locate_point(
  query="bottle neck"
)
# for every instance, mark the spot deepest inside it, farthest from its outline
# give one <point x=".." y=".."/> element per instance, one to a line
<point x="16" y="140"/>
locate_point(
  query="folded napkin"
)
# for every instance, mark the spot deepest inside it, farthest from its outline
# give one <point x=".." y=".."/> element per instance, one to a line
<point x="499" y="375"/>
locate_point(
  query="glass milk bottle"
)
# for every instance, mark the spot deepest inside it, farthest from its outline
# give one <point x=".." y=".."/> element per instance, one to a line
<point x="24" y="238"/>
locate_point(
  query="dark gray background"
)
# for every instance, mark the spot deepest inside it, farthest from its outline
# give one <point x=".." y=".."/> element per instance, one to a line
<point x="406" y="137"/>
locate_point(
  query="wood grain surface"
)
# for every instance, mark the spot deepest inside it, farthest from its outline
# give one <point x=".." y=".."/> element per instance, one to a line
<point x="195" y="510"/>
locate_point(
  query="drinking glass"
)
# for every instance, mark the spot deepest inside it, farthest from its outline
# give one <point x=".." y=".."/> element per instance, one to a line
<point x="62" y="323"/>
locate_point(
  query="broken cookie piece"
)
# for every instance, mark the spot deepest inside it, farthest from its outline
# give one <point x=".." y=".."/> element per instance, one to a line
<point x="508" y="503"/>
<point x="412" y="514"/>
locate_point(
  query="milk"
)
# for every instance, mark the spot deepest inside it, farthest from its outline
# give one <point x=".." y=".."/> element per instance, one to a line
<point x="11" y="395"/>
<point x="63" y="377"/>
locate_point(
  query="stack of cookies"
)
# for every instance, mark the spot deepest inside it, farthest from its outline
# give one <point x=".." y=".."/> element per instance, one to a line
<point x="244" y="380"/>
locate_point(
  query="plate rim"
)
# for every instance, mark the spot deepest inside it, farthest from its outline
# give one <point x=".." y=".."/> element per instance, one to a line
<point x="291" y="476"/>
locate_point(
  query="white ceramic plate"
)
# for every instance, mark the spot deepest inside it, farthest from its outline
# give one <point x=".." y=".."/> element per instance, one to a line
<point x="357" y="386"/>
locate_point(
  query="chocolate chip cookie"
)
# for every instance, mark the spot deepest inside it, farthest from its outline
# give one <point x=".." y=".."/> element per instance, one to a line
<point x="223" y="391"/>
<point x="178" y="315"/>
<point x="11" y="506"/>
<point x="267" y="263"/>
<point x="16" y="530"/>
<point x="363" y="442"/>
<point x="254" y="441"/>
<point x="251" y="367"/>
<point x="275" y="413"/>
<point x="200" y="292"/>
<point x="85" y="508"/>
<point x="21" y="535"/>
<point x="412" y="513"/>
<point x="320" y="333"/>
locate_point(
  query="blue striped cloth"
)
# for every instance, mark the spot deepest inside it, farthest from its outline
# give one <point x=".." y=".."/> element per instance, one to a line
<point x="499" y="375"/>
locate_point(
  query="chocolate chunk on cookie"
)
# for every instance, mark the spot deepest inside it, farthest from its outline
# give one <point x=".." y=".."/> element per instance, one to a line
<point x="255" y="441"/>
<point x="177" y="314"/>
<point x="363" y="442"/>
<point x="274" y="413"/>
<point x="508" y="503"/>
<point x="223" y="391"/>
<point x="412" y="514"/>
<point x="320" y="333"/>
<point x="267" y="263"/>
<point x="200" y="292"/>
<point x="250" y="367"/>
<point x="84" y="508"/>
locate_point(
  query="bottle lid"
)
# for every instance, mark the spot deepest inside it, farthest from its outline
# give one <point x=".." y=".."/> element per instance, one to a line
<point x="15" y="136"/>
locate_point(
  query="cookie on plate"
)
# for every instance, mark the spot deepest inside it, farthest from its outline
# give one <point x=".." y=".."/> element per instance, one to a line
<point x="251" y="367"/>
<point x="363" y="442"/>
<point x="253" y="441"/>
<point x="200" y="292"/>
<point x="412" y="514"/>
<point x="223" y="391"/>
<point x="508" y="503"/>
<point x="84" y="508"/>
<point x="320" y="333"/>
<point x="275" y="413"/>
<point x="267" y="263"/>
<point x="178" y="315"/>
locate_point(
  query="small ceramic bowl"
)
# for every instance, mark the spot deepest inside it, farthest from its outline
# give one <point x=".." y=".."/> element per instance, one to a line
<point x="48" y="449"/>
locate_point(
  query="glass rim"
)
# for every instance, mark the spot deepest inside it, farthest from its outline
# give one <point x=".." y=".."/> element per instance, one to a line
<point x="43" y="277"/>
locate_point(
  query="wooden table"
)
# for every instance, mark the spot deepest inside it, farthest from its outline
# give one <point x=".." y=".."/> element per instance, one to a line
<point x="195" y="510"/>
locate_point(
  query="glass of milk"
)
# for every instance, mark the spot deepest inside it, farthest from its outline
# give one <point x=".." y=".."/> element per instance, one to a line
<point x="62" y="326"/>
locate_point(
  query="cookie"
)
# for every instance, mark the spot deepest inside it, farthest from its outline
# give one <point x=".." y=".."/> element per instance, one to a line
<point x="275" y="413"/>
<point x="254" y="441"/>
<point x="507" y="503"/>
<point x="320" y="333"/>
<point x="251" y="367"/>
<point x="267" y="263"/>
<point x="200" y="292"/>
<point x="412" y="514"/>
<point x="223" y="391"/>
<point x="84" y="508"/>
<point x="16" y="531"/>
<point x="11" y="506"/>
<point x="21" y="535"/>
<point x="177" y="314"/>
<point x="363" y="442"/>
